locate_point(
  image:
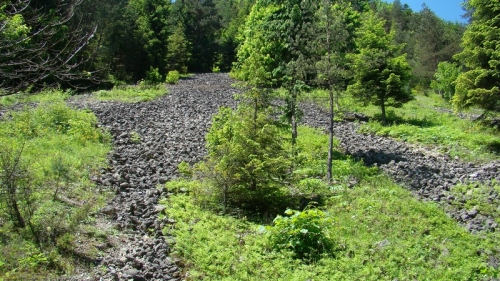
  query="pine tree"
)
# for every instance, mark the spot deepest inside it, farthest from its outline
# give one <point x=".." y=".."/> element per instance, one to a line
<point x="381" y="76"/>
<point x="276" y="49"/>
<point x="178" y="50"/>
<point x="480" y="85"/>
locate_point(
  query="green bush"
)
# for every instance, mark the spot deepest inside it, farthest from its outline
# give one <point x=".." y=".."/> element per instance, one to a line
<point x="173" y="77"/>
<point x="135" y="137"/>
<point x="51" y="219"/>
<point x="304" y="233"/>
<point x="153" y="77"/>
<point x="247" y="162"/>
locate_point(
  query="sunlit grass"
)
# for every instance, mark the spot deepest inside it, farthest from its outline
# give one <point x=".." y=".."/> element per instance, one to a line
<point x="428" y="120"/>
<point x="61" y="148"/>
<point x="132" y="93"/>
<point x="380" y="231"/>
<point x="49" y="95"/>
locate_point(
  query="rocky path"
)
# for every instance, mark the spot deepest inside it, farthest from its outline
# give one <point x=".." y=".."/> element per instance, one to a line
<point x="428" y="174"/>
<point x="151" y="139"/>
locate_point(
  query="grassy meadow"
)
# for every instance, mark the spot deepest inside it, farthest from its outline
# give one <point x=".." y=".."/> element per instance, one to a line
<point x="379" y="231"/>
<point x="48" y="153"/>
<point x="428" y="120"/>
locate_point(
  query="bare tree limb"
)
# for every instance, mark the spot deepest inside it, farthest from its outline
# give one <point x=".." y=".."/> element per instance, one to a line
<point x="42" y="48"/>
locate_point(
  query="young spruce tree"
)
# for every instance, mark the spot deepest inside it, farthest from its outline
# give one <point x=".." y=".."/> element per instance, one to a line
<point x="381" y="76"/>
<point x="480" y="85"/>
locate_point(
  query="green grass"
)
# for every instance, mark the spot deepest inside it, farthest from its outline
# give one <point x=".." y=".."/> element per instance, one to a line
<point x="379" y="231"/>
<point x="479" y="197"/>
<point x="420" y="122"/>
<point x="132" y="93"/>
<point x="50" y="95"/>
<point x="61" y="148"/>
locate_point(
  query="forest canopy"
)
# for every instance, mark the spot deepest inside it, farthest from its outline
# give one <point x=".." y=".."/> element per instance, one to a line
<point x="91" y="43"/>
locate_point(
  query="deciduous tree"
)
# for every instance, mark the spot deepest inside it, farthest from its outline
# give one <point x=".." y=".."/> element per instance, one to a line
<point x="444" y="79"/>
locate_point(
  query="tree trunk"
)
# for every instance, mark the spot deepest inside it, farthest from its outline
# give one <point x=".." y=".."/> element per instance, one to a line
<point x="14" y="210"/>
<point x="293" y="117"/>
<point x="382" y="107"/>
<point x="330" y="139"/>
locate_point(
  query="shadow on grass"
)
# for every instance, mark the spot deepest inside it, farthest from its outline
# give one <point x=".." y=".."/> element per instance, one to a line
<point x="494" y="147"/>
<point x="393" y="119"/>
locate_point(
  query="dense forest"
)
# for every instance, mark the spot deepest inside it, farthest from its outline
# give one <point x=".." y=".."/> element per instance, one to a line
<point x="405" y="74"/>
<point x="115" y="40"/>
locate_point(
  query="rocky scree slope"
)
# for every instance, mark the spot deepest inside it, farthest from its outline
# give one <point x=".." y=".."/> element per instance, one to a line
<point x="150" y="139"/>
<point x="428" y="174"/>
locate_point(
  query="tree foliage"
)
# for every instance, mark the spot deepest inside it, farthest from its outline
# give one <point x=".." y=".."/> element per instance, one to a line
<point x="381" y="76"/>
<point x="480" y="84"/>
<point x="246" y="162"/>
<point x="255" y="59"/>
<point x="278" y="47"/>
<point x="179" y="53"/>
<point x="335" y="34"/>
<point x="444" y="79"/>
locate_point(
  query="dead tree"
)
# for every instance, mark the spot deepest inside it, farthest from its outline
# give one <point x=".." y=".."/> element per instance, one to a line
<point x="42" y="47"/>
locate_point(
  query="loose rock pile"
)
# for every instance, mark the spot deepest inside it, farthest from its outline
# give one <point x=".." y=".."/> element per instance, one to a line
<point x="427" y="173"/>
<point x="150" y="140"/>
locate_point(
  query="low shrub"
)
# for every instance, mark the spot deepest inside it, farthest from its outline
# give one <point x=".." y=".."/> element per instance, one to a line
<point x="173" y="77"/>
<point x="153" y="77"/>
<point x="305" y="233"/>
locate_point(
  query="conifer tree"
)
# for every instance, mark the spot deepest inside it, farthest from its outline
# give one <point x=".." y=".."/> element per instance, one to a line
<point x="381" y="76"/>
<point x="333" y="43"/>
<point x="178" y="50"/>
<point x="276" y="50"/>
<point x="480" y="85"/>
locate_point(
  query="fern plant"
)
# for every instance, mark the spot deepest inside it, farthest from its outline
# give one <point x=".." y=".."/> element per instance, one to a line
<point x="304" y="233"/>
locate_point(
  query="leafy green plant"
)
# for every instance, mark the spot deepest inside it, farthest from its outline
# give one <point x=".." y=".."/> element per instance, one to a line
<point x="153" y="77"/>
<point x="305" y="233"/>
<point x="185" y="169"/>
<point x="173" y="77"/>
<point x="135" y="137"/>
<point x="51" y="220"/>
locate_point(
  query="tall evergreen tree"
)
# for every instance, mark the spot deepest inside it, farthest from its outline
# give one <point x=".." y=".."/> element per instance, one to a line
<point x="480" y="85"/>
<point x="179" y="53"/>
<point x="332" y="71"/>
<point x="282" y="31"/>
<point x="202" y="29"/>
<point x="381" y="76"/>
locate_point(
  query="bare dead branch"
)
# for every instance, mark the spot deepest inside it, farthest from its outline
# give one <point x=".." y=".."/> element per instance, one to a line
<point x="48" y="51"/>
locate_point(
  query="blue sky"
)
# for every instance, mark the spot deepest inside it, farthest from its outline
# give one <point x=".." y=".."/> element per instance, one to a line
<point x="446" y="9"/>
